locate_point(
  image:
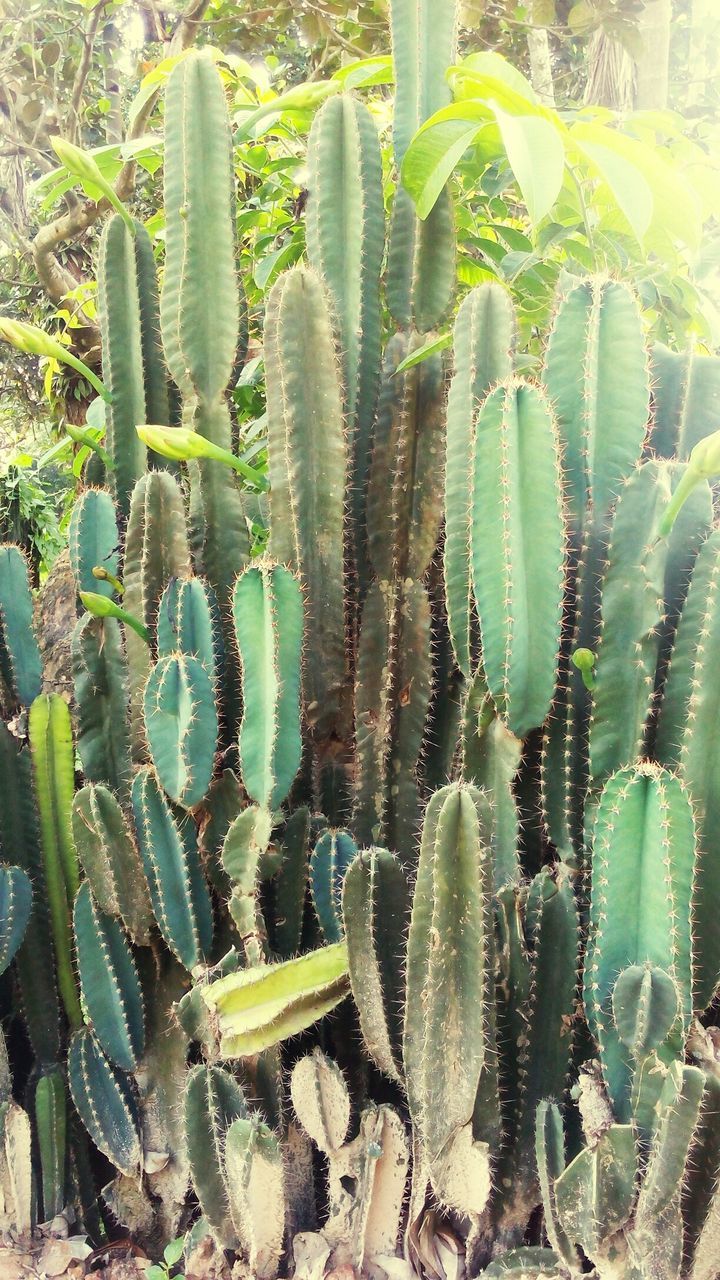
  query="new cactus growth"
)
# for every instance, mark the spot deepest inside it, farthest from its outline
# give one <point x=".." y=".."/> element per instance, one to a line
<point x="378" y="910"/>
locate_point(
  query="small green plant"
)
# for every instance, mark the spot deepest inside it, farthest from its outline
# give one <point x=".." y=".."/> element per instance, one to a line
<point x="172" y="1257"/>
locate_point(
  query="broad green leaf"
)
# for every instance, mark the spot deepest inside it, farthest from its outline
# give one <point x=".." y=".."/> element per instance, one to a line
<point x="436" y="150"/>
<point x="625" y="182"/>
<point x="428" y="349"/>
<point x="365" y="72"/>
<point x="490" y="64"/>
<point x="537" y="158"/>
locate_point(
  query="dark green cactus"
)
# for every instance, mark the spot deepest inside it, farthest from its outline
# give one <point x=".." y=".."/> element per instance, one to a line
<point x="15" y="907"/>
<point x="20" y="666"/>
<point x="104" y="1102"/>
<point x="109" y="984"/>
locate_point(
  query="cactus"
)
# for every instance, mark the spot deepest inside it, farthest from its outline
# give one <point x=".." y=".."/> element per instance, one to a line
<point x="182" y="727"/>
<point x="482" y="345"/>
<point x="20" y="667"/>
<point x="517" y="544"/>
<point x="487" y="624"/>
<point x="109" y="857"/>
<point x="267" y="609"/>
<point x="15" y="907"/>
<point x="178" y="892"/>
<point x="109" y="983"/>
<point x="93" y="541"/>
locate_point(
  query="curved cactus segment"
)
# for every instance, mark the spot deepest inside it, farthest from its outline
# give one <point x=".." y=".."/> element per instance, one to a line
<point x="15" y="907"/>
<point x="19" y="837"/>
<point x="406" y="476"/>
<point x="104" y="1103"/>
<point x="550" y="1160"/>
<point x="259" y="1007"/>
<point x="376" y="909"/>
<point x="596" y="375"/>
<point x="321" y="1100"/>
<point x="544" y="1058"/>
<point x="482" y="344"/>
<point x="20" y="664"/>
<point x="687" y="736"/>
<point x="51" y="1126"/>
<point x="254" y="1170"/>
<point x="199" y="306"/>
<point x="110" y="986"/>
<point x="640" y="911"/>
<point x="110" y="859"/>
<point x="186" y="623"/>
<point x="307" y="460"/>
<point x="331" y="857"/>
<point x="291" y="885"/>
<point x="178" y="892"/>
<point x="156" y="550"/>
<point x="450" y="978"/>
<point x="638" y="581"/>
<point x="679" y="1111"/>
<point x="100" y="676"/>
<point x="596" y="1192"/>
<point x="123" y="366"/>
<point x="421" y="256"/>
<point x="645" y="1005"/>
<point x="51" y="749"/>
<point x="491" y="758"/>
<point x="345" y="236"/>
<point x="246" y="841"/>
<point x="518" y="551"/>
<point x="268" y="614"/>
<point x="93" y="541"/>
<point x="213" y="1099"/>
<point x="182" y="727"/>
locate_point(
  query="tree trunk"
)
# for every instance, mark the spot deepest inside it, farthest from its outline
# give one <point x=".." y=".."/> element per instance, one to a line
<point x="541" y="65"/>
<point x="611" y="74"/>
<point x="653" y="62"/>
<point x="698" y="63"/>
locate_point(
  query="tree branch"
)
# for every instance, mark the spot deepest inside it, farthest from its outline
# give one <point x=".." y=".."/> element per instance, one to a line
<point x="56" y="281"/>
<point x="84" y="69"/>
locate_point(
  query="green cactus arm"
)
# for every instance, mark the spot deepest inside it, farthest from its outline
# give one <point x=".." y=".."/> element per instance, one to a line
<point x="406" y="474"/>
<point x="596" y="375"/>
<point x="178" y="892"/>
<point x="51" y="1126"/>
<point x="110" y="986"/>
<point x="254" y="1165"/>
<point x="101" y="692"/>
<point x="15" y="907"/>
<point x="212" y="1100"/>
<point x="448" y="979"/>
<point x="491" y="758"/>
<point x="20" y="664"/>
<point x="345" y="236"/>
<point x="187" y="623"/>
<point x="421" y="255"/>
<point x="527" y="1263"/>
<point x="51" y="748"/>
<point x="105" y="1103"/>
<point x="334" y="851"/>
<point x="687" y="738"/>
<point x="642" y="878"/>
<point x="679" y="1109"/>
<point x="34" y="961"/>
<point x="645" y="1005"/>
<point x="550" y="1161"/>
<point x="376" y="908"/>
<point x="518" y="551"/>
<point x="595" y="1194"/>
<point x="199" y="306"/>
<point x="291" y="885"/>
<point x="307" y="456"/>
<point x="93" y="540"/>
<point x="110" y="859"/>
<point x="247" y="839"/>
<point x="182" y="727"/>
<point x="119" y="308"/>
<point x="482" y="345"/>
<point x="259" y="1007"/>
<point x="634" y="593"/>
<point x="545" y="1058"/>
<point x="156" y="549"/>
<point x="268" y="615"/>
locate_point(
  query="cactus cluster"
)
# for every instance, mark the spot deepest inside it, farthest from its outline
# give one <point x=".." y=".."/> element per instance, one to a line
<point x="404" y="832"/>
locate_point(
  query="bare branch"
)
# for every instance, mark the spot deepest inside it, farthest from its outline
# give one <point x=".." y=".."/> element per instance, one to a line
<point x="84" y="69"/>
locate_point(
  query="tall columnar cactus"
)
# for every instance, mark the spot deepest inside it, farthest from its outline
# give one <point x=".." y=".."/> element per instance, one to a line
<point x="431" y="782"/>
